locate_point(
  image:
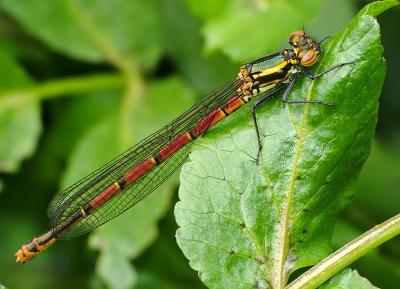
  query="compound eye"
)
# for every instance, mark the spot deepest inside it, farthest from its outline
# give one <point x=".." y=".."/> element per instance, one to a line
<point x="296" y="37"/>
<point x="309" y="58"/>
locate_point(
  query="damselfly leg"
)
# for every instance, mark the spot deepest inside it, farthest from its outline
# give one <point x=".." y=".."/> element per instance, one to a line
<point x="315" y="76"/>
<point x="288" y="88"/>
<point x="264" y="98"/>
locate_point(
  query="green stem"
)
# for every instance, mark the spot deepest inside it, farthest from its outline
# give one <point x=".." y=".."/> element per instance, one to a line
<point x="134" y="91"/>
<point x="79" y="85"/>
<point x="55" y="88"/>
<point x="346" y="255"/>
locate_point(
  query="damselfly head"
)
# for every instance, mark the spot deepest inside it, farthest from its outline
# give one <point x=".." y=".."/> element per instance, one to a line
<point x="306" y="48"/>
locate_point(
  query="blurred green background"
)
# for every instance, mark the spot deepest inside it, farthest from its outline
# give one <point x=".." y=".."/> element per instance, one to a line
<point x="80" y="81"/>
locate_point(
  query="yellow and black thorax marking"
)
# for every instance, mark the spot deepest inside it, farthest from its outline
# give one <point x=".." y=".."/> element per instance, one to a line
<point x="262" y="76"/>
<point x="269" y="71"/>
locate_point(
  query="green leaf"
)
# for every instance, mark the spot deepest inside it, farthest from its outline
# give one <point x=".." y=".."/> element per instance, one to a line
<point x="147" y="280"/>
<point x="348" y="279"/>
<point x="125" y="237"/>
<point x="20" y="125"/>
<point x="244" y="225"/>
<point x="94" y="30"/>
<point x="116" y="270"/>
<point x="324" y="24"/>
<point x="184" y="44"/>
<point x="248" y="29"/>
<point x="378" y="183"/>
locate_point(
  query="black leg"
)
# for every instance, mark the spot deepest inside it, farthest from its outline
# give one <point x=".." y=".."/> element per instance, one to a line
<point x="315" y="76"/>
<point x="290" y="87"/>
<point x="264" y="98"/>
<point x="321" y="41"/>
<point x="312" y="77"/>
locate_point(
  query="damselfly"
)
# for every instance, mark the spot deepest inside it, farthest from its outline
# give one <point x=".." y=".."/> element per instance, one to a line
<point x="130" y="177"/>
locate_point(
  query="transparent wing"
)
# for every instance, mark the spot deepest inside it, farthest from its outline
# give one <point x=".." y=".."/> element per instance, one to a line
<point x="72" y="199"/>
<point x="128" y="197"/>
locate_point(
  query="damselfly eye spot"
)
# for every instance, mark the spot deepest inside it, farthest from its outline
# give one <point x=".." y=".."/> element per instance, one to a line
<point x="309" y="58"/>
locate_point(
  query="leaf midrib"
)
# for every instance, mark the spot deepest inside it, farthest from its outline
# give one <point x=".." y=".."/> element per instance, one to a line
<point x="279" y="276"/>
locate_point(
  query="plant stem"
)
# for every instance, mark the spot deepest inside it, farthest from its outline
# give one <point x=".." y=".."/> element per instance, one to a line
<point x="346" y="255"/>
<point x="78" y="85"/>
<point x="134" y="91"/>
<point x="55" y="88"/>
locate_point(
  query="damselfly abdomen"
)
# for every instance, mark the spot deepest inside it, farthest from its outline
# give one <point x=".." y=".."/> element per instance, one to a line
<point x="130" y="177"/>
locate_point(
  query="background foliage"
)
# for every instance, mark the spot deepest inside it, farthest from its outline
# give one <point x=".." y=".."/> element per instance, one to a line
<point x="81" y="81"/>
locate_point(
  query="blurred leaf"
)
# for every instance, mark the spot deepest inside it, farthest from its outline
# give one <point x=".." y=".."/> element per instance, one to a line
<point x="20" y="125"/>
<point x="379" y="183"/>
<point x="93" y="30"/>
<point x="171" y="265"/>
<point x="255" y="225"/>
<point x="69" y="121"/>
<point x="248" y="29"/>
<point x="348" y="279"/>
<point x="325" y="25"/>
<point x="127" y="236"/>
<point x="151" y="281"/>
<point x="184" y="44"/>
<point x="115" y="269"/>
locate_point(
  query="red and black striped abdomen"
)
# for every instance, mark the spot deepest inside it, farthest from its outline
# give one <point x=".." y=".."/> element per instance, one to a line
<point x="134" y="174"/>
<point x="133" y="183"/>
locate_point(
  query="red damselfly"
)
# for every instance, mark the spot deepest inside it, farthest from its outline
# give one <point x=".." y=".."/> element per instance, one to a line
<point x="130" y="177"/>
